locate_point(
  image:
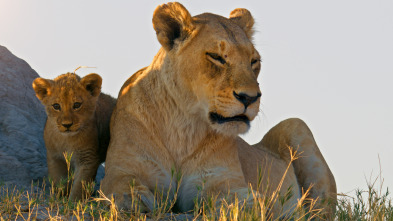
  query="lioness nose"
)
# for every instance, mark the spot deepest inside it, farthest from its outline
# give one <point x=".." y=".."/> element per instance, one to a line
<point x="245" y="98"/>
<point x="67" y="125"/>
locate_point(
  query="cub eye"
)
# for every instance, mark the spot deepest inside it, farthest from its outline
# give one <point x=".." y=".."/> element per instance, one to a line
<point x="216" y="57"/>
<point x="254" y="61"/>
<point x="56" y="106"/>
<point x="76" y="105"/>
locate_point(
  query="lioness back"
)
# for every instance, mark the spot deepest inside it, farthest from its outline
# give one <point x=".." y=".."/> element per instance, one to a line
<point x="78" y="117"/>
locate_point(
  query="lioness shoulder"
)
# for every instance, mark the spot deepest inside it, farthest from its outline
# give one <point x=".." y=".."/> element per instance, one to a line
<point x="78" y="117"/>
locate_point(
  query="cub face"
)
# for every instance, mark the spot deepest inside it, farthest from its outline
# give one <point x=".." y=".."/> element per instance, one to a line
<point x="215" y="62"/>
<point x="69" y="101"/>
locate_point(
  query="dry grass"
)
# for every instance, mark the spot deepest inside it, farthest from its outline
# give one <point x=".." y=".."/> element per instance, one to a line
<point x="370" y="204"/>
<point x="44" y="201"/>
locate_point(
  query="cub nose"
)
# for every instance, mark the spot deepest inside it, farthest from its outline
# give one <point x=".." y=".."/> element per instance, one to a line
<point x="67" y="125"/>
<point x="245" y="99"/>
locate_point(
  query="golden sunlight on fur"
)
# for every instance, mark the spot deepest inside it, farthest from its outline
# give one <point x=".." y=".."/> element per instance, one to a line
<point x="181" y="116"/>
<point x="78" y="123"/>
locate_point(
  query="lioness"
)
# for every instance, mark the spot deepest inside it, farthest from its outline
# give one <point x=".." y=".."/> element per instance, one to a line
<point x="78" y="122"/>
<point x="184" y="113"/>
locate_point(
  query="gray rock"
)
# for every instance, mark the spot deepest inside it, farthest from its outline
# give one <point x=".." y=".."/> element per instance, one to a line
<point x="22" y="120"/>
<point x="12" y="170"/>
<point x="100" y="175"/>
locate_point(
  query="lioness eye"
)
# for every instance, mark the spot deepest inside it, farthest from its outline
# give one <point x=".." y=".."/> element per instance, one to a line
<point x="77" y="105"/>
<point x="254" y="61"/>
<point x="216" y="57"/>
<point x="56" y="106"/>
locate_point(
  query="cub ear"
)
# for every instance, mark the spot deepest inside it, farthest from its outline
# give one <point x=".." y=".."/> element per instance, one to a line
<point x="172" y="22"/>
<point x="92" y="83"/>
<point x="243" y="18"/>
<point x="42" y="87"/>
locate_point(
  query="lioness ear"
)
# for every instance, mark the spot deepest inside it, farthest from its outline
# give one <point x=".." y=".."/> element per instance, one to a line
<point x="172" y="22"/>
<point x="244" y="19"/>
<point x="42" y="87"/>
<point x="92" y="83"/>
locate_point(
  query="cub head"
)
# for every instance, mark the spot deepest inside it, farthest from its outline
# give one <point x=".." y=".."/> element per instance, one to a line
<point x="213" y="64"/>
<point x="70" y="101"/>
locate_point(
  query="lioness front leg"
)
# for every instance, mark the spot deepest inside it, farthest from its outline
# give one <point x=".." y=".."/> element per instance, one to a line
<point x="231" y="190"/>
<point x="128" y="192"/>
<point x="218" y="183"/>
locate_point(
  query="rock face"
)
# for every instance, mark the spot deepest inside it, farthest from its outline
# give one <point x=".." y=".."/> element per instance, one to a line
<point x="22" y="120"/>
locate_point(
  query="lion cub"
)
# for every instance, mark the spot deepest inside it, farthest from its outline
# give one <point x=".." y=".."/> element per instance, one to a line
<point x="78" y="122"/>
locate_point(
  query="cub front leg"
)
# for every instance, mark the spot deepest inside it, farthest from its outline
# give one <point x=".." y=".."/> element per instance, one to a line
<point x="57" y="167"/>
<point x="85" y="172"/>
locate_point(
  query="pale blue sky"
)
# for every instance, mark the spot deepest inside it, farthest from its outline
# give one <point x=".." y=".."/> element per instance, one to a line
<point x="327" y="62"/>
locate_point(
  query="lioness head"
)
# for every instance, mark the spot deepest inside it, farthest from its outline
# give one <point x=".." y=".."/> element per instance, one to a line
<point x="69" y="101"/>
<point x="213" y="63"/>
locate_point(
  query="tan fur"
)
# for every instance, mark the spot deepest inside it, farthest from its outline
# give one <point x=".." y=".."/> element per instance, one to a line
<point x="83" y="131"/>
<point x="175" y="115"/>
